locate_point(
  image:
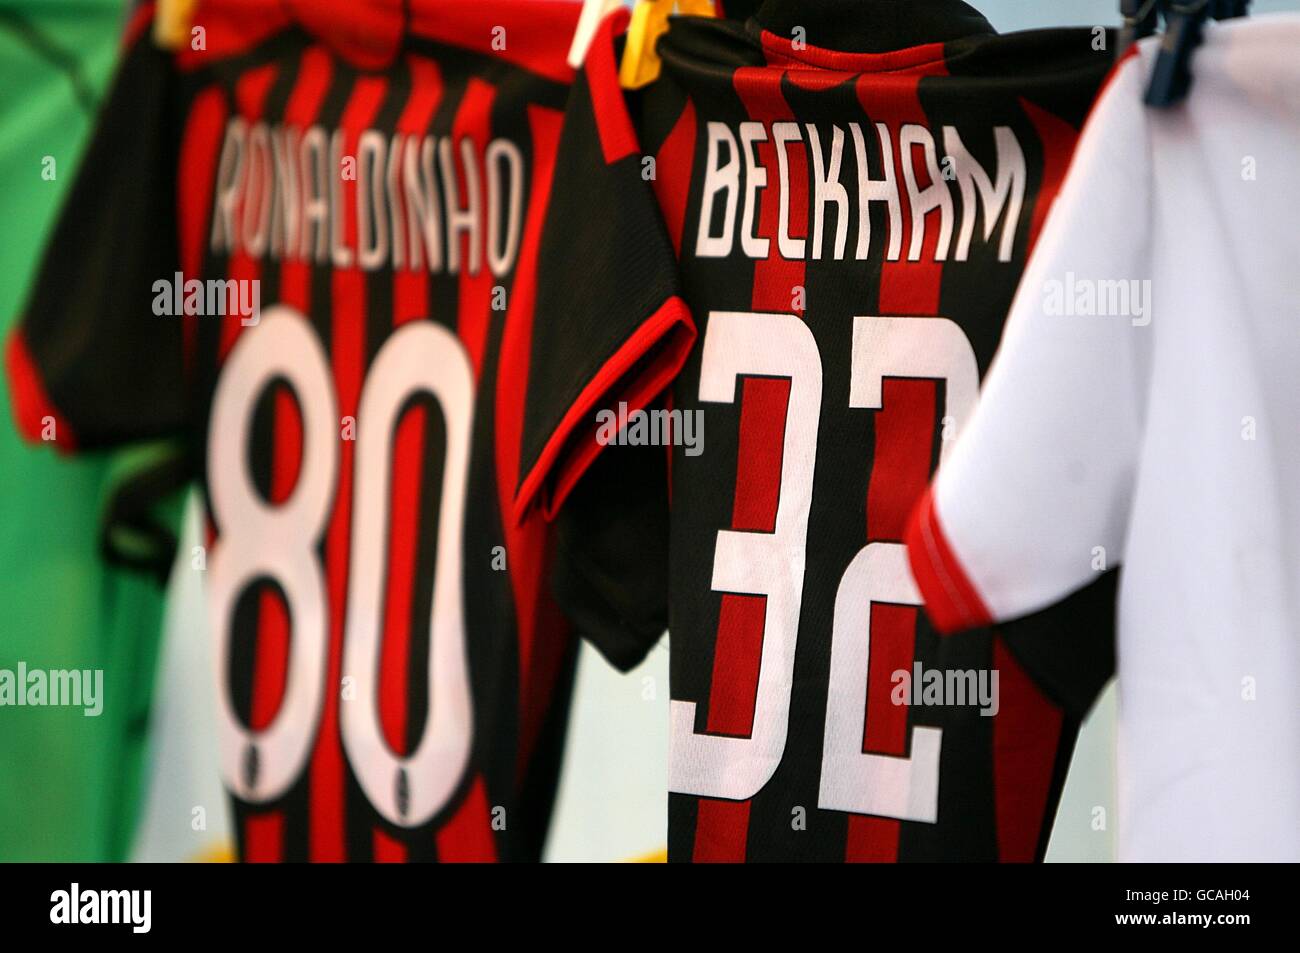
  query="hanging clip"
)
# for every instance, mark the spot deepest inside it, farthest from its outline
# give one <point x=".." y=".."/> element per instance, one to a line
<point x="1229" y="9"/>
<point x="1171" y="77"/>
<point x="641" y="64"/>
<point x="172" y="22"/>
<point x="1139" y="22"/>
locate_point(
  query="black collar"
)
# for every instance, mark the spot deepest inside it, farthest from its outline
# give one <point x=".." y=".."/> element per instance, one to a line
<point x="871" y="26"/>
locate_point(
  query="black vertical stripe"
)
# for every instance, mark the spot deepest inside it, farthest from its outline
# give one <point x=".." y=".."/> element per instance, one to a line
<point x="442" y="292"/>
<point x="489" y="597"/>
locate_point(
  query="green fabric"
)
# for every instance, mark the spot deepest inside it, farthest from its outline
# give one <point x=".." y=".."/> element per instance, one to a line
<point x="69" y="784"/>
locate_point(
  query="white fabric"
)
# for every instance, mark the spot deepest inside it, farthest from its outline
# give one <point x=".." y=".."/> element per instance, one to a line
<point x="1170" y="439"/>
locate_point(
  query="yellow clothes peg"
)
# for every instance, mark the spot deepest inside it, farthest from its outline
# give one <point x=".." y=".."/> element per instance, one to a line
<point x="172" y="22"/>
<point x="641" y="64"/>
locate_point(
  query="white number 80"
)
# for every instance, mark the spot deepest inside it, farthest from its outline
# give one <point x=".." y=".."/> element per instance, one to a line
<point x="256" y="539"/>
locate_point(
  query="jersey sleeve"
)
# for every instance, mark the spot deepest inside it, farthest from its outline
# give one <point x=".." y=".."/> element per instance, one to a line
<point x="610" y="573"/>
<point x="611" y="326"/>
<point x="91" y="364"/>
<point x="1033" y="502"/>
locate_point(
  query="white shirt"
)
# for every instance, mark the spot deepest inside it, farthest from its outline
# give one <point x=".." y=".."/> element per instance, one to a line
<point x="1164" y="439"/>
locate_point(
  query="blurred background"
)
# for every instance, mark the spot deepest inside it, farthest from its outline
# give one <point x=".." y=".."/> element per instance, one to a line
<point x="71" y="787"/>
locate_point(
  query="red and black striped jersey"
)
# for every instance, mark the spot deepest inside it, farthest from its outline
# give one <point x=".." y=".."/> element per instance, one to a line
<point x="811" y="227"/>
<point x="307" y="243"/>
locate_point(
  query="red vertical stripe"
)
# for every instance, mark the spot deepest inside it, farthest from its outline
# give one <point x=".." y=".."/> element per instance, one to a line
<point x="403" y="537"/>
<point x="467" y="836"/>
<point x="763" y="406"/>
<point x="250" y="99"/>
<point x="721" y="827"/>
<point x="900" y="469"/>
<point x="738" y="649"/>
<point x="316" y="70"/>
<point x="264" y="838"/>
<point x="733" y="687"/>
<point x="271" y="665"/>
<point x="1026" y="732"/>
<point x="474" y="122"/>
<point x="314" y="73"/>
<point x="205" y="128"/>
<point x="871" y="840"/>
<point x="410" y="303"/>
<point x="411" y="283"/>
<point x="904" y="443"/>
<point x="327" y="840"/>
<point x="613" y="123"/>
<point x="404" y="530"/>
<point x="387" y="849"/>
<point x="286" y="444"/>
<point x="1057" y="138"/>
<point x="721" y="831"/>
<point x="263" y="832"/>
<point x="672" y="181"/>
<point x="906" y="287"/>
<point x="775" y="279"/>
<point x="893" y="629"/>
<point x="899" y="474"/>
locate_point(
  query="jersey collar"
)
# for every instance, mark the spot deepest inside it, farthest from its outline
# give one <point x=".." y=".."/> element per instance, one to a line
<point x="872" y="26"/>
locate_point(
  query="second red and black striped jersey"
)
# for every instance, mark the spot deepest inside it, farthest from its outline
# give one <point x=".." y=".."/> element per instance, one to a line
<point x="307" y="242"/>
<point x="811" y="227"/>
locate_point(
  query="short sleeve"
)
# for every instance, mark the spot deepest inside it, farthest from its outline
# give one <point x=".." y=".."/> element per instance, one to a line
<point x="610" y="572"/>
<point x="1033" y="502"/>
<point x="91" y="364"/>
<point x="611" y="325"/>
